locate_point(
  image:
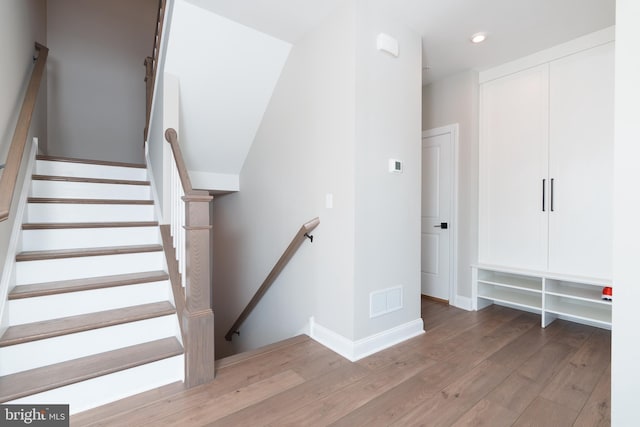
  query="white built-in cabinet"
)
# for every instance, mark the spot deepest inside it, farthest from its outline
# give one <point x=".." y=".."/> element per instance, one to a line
<point x="514" y="156"/>
<point x="581" y="100"/>
<point x="545" y="183"/>
<point x="552" y="296"/>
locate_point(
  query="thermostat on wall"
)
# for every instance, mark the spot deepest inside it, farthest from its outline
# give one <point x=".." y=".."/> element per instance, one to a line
<point x="395" y="166"/>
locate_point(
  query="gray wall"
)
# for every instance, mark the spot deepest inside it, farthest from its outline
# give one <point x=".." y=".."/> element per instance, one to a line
<point x="96" y="101"/>
<point x="455" y="100"/>
<point x="22" y="22"/>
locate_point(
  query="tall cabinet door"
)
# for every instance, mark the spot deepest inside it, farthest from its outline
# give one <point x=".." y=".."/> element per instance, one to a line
<point x="581" y="162"/>
<point x="513" y="170"/>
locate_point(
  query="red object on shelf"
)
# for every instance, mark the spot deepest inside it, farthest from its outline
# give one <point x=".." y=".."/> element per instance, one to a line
<point x="607" y="293"/>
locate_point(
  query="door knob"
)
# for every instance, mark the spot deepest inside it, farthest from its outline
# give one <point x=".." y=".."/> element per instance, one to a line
<point x="442" y="225"/>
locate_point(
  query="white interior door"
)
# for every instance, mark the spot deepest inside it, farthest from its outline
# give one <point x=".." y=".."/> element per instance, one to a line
<point x="437" y="171"/>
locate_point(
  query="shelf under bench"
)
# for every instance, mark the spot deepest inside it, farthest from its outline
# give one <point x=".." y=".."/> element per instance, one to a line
<point x="553" y="296"/>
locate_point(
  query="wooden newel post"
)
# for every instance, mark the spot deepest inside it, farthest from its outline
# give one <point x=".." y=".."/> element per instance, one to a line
<point x="197" y="316"/>
<point x="197" y="319"/>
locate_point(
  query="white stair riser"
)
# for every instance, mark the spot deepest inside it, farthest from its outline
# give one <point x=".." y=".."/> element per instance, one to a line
<point x="109" y="388"/>
<point x="34" y="354"/>
<point x="65" y="212"/>
<point x="42" y="240"/>
<point x="89" y="190"/>
<point x="81" y="170"/>
<point x="36" y="309"/>
<point x="93" y="266"/>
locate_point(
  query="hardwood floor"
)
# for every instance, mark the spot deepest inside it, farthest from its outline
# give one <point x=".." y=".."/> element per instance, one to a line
<point x="495" y="367"/>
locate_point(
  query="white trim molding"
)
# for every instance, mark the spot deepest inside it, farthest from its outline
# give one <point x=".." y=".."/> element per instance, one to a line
<point x="7" y="278"/>
<point x="464" y="303"/>
<point x="356" y="350"/>
<point x="154" y="191"/>
<point x="214" y="181"/>
<point x="588" y="41"/>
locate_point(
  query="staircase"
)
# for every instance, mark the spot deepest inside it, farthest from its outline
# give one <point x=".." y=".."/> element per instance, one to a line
<point x="91" y="317"/>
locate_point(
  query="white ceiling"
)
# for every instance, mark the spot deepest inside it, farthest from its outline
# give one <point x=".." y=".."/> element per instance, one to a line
<point x="515" y="27"/>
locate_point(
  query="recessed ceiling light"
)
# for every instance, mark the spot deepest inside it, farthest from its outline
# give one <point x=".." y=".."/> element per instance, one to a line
<point x="478" y="37"/>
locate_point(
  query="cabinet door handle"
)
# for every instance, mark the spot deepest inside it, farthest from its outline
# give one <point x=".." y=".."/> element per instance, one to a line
<point x="544" y="186"/>
<point x="551" y="194"/>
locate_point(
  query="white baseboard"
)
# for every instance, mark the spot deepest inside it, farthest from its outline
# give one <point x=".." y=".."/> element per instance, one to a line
<point x="464" y="303"/>
<point x="356" y="350"/>
<point x="332" y="340"/>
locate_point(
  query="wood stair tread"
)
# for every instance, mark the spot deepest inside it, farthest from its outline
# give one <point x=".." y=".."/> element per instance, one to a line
<point x="85" y="252"/>
<point x="63" y="225"/>
<point x="21" y="384"/>
<point x="35" y="331"/>
<point x="89" y="161"/>
<point x="89" y="201"/>
<point x="90" y="180"/>
<point x="76" y="285"/>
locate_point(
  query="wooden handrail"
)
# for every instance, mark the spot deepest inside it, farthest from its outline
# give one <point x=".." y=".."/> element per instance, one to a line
<point x="19" y="141"/>
<point x="302" y="234"/>
<point x="193" y="228"/>
<point x="151" y="63"/>
<point x="172" y="138"/>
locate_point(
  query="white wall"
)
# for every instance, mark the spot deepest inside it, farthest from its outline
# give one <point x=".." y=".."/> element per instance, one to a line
<point x="96" y="101"/>
<point x="165" y="111"/>
<point x="625" y="375"/>
<point x="387" y="206"/>
<point x="448" y="101"/>
<point x="302" y="151"/>
<point x="227" y="73"/>
<point x="340" y="111"/>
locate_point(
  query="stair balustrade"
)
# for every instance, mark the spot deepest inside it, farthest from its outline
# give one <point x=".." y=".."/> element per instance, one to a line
<point x="190" y="230"/>
<point x="151" y="63"/>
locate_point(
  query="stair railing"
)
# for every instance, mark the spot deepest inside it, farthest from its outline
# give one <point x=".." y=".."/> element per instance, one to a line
<point x="296" y="242"/>
<point x="190" y="229"/>
<point x="18" y="143"/>
<point x="151" y="63"/>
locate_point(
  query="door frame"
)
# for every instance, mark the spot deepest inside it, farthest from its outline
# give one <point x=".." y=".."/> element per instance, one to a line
<point x="452" y="129"/>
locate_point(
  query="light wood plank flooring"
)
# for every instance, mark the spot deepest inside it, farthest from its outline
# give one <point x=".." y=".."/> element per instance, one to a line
<point x="495" y="367"/>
